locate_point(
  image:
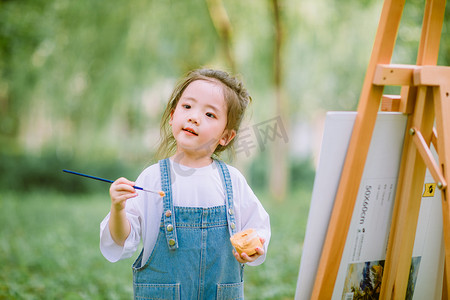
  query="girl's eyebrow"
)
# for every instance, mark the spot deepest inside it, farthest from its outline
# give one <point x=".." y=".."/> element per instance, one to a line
<point x="211" y="106"/>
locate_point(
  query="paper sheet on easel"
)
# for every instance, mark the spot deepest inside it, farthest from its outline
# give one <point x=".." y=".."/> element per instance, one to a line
<point x="365" y="249"/>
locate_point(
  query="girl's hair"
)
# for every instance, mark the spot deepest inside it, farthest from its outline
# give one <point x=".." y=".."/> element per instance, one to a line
<point x="236" y="98"/>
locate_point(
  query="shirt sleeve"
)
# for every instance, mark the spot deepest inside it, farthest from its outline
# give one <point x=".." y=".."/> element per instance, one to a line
<point x="135" y="208"/>
<point x="144" y="214"/>
<point x="110" y="250"/>
<point x="251" y="213"/>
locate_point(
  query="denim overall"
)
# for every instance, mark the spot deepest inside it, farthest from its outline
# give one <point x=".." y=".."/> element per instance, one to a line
<point x="192" y="257"/>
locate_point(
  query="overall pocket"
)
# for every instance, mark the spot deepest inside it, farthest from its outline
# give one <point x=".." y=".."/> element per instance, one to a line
<point x="230" y="291"/>
<point x="157" y="291"/>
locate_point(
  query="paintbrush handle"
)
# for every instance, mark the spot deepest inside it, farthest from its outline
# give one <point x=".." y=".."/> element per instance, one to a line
<point x="111" y="181"/>
<point x="88" y="176"/>
<point x="99" y="178"/>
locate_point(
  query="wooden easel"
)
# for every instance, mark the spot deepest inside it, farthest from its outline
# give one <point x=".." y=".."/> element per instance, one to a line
<point x="425" y="97"/>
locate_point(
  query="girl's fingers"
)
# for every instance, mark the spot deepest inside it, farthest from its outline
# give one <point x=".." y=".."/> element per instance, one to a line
<point x="123" y="196"/>
<point x="245" y="258"/>
<point x="122" y="185"/>
<point x="125" y="188"/>
<point x="123" y="180"/>
<point x="259" y="251"/>
<point x="121" y="190"/>
<point x="238" y="257"/>
<point x="127" y="196"/>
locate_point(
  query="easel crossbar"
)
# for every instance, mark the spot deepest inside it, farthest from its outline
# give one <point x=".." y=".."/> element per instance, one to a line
<point x="427" y="156"/>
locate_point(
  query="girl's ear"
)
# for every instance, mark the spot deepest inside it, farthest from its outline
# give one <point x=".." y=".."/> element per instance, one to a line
<point x="227" y="137"/>
<point x="171" y="117"/>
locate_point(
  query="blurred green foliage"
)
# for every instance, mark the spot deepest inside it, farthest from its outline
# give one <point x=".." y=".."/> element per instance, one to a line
<point x="44" y="173"/>
<point x="50" y="249"/>
<point x="301" y="173"/>
<point x="90" y="79"/>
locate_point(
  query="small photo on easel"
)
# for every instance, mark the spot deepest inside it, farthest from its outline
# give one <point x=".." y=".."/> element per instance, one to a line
<point x="363" y="279"/>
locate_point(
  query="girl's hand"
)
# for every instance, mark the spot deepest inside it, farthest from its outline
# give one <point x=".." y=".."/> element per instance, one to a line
<point x="120" y="191"/>
<point x="245" y="258"/>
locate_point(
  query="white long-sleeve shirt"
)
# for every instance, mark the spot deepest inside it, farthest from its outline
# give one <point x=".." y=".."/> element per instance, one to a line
<point x="191" y="187"/>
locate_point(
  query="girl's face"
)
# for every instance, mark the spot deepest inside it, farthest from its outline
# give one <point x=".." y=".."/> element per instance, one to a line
<point x="200" y="118"/>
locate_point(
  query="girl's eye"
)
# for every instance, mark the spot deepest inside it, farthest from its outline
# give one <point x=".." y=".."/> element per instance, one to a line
<point x="187" y="106"/>
<point x="210" y="115"/>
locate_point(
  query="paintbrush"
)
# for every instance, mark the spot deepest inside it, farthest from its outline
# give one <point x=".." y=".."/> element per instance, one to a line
<point x="160" y="193"/>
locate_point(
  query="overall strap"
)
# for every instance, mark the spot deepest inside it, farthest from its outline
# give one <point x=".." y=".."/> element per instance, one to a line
<point x="169" y="212"/>
<point x="226" y="180"/>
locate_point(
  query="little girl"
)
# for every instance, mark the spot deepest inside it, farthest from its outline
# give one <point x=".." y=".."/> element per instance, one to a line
<point x="187" y="252"/>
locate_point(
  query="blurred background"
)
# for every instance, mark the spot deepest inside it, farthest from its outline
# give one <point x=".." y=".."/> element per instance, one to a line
<point x="83" y="85"/>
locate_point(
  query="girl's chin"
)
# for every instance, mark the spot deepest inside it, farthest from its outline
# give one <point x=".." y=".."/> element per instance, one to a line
<point x="192" y="145"/>
<point x="195" y="150"/>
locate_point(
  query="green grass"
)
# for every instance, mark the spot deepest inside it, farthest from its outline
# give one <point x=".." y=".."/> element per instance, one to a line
<point x="49" y="249"/>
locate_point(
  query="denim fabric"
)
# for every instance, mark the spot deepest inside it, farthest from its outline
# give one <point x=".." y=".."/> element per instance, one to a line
<point x="192" y="258"/>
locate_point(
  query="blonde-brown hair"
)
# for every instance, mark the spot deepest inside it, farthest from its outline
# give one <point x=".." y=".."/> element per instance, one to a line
<point x="236" y="98"/>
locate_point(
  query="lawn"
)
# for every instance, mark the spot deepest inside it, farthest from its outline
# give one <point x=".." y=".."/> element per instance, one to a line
<point x="49" y="249"/>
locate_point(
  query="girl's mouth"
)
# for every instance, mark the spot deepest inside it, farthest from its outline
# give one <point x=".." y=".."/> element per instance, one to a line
<point x="190" y="130"/>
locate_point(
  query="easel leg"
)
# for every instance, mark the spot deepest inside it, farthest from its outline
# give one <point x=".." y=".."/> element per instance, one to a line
<point x="444" y="286"/>
<point x="412" y="172"/>
<point x="407" y="205"/>
<point x="442" y="108"/>
<point x="356" y="154"/>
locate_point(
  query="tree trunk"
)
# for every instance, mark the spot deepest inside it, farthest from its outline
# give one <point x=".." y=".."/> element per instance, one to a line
<point x="222" y="25"/>
<point x="279" y="174"/>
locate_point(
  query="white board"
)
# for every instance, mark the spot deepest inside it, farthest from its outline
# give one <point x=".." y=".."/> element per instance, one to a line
<point x="365" y="248"/>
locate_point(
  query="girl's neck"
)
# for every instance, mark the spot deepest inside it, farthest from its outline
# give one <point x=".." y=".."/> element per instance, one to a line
<point x="191" y="161"/>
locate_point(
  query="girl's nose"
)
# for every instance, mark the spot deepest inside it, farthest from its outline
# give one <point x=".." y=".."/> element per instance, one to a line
<point x="193" y="118"/>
